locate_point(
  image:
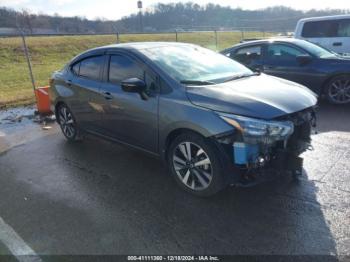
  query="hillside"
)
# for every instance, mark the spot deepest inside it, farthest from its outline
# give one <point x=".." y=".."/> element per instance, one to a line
<point x="165" y="17"/>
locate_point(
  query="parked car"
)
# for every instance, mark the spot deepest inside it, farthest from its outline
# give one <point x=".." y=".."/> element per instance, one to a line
<point x="323" y="71"/>
<point x="331" y="32"/>
<point x="212" y="120"/>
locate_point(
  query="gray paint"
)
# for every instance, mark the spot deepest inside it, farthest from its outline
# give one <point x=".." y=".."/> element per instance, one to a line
<point x="146" y="124"/>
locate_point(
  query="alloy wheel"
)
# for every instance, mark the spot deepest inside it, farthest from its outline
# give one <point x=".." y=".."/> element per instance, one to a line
<point x="192" y="165"/>
<point x="67" y="122"/>
<point x="339" y="91"/>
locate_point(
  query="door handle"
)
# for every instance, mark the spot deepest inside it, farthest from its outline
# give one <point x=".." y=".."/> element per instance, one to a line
<point x="68" y="82"/>
<point x="108" y="95"/>
<point x="270" y="67"/>
<point x="337" y="44"/>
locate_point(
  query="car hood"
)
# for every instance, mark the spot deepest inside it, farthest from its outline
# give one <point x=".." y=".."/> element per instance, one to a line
<point x="262" y="96"/>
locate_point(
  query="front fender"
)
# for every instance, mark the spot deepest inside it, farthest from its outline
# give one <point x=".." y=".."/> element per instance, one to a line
<point x="188" y="117"/>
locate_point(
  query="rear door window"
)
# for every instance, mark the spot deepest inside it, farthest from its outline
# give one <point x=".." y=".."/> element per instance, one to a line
<point x="91" y="67"/>
<point x="248" y="55"/>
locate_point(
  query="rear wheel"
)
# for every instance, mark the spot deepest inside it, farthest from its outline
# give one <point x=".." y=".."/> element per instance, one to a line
<point x="195" y="164"/>
<point x="67" y="123"/>
<point x="338" y="90"/>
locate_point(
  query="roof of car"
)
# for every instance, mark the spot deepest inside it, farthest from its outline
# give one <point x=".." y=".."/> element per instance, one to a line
<point x="128" y="46"/>
<point x="141" y="45"/>
<point x="270" y="40"/>
<point x="322" y="18"/>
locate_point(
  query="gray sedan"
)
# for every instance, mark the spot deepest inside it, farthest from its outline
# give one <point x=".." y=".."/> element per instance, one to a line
<point x="213" y="121"/>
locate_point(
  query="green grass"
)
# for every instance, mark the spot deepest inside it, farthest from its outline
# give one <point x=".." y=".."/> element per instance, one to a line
<point x="51" y="53"/>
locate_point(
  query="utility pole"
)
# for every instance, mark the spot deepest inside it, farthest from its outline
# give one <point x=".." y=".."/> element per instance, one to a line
<point x="26" y="52"/>
<point x="25" y="49"/>
<point x="139" y="6"/>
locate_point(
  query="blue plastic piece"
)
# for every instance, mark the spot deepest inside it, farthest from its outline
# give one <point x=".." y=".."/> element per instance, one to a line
<point x="244" y="153"/>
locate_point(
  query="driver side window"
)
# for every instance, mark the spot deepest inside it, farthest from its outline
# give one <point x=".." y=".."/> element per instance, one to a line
<point x="279" y="52"/>
<point x="122" y="68"/>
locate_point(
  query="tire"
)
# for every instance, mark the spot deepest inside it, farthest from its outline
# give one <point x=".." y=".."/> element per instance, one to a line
<point x="68" y="124"/>
<point x="201" y="174"/>
<point x="337" y="90"/>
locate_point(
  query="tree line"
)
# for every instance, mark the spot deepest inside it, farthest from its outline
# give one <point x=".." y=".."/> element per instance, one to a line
<point x="166" y="17"/>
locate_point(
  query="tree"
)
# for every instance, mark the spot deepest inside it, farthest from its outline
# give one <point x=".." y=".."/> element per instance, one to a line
<point x="168" y="17"/>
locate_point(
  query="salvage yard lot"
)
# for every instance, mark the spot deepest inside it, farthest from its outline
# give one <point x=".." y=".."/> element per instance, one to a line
<point x="91" y="198"/>
<point x="51" y="53"/>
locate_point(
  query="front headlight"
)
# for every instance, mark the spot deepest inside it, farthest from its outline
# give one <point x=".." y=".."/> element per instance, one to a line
<point x="263" y="130"/>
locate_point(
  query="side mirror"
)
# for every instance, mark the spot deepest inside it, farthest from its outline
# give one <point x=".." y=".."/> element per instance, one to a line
<point x="256" y="69"/>
<point x="135" y="85"/>
<point x="304" y="59"/>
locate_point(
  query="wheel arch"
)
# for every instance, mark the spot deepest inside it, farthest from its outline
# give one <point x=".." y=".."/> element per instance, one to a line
<point x="175" y="133"/>
<point x="205" y="125"/>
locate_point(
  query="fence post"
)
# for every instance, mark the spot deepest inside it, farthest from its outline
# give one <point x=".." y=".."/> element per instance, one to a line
<point x="176" y="35"/>
<point x="118" y="40"/>
<point x="216" y="39"/>
<point x="242" y="35"/>
<point x="28" y="60"/>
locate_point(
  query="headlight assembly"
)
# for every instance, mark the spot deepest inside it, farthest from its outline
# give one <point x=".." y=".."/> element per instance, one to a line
<point x="259" y="130"/>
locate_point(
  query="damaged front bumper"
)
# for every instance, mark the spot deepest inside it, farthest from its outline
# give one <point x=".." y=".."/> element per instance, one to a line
<point x="253" y="161"/>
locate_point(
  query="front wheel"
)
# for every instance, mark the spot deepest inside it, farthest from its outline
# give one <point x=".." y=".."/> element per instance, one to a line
<point x="67" y="123"/>
<point x="338" y="90"/>
<point x="196" y="165"/>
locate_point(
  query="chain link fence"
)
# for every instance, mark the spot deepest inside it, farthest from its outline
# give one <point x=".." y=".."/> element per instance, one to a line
<point x="48" y="53"/>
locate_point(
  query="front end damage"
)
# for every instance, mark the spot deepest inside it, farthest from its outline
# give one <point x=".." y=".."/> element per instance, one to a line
<point x="263" y="150"/>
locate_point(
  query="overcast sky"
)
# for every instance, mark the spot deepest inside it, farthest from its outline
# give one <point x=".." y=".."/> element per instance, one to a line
<point x="115" y="9"/>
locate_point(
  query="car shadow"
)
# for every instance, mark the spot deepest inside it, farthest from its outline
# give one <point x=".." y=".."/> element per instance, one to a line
<point x="333" y="117"/>
<point x="281" y="217"/>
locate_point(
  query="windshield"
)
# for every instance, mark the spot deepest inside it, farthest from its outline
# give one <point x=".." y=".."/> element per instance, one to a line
<point x="191" y="64"/>
<point x="316" y="50"/>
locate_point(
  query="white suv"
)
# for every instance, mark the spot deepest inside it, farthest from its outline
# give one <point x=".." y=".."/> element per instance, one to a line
<point x="331" y="32"/>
